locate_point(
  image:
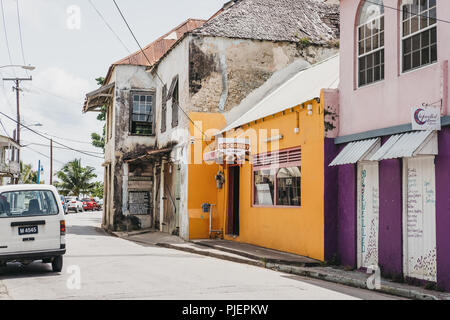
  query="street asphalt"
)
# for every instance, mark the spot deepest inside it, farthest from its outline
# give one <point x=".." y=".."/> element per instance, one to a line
<point x="99" y="266"/>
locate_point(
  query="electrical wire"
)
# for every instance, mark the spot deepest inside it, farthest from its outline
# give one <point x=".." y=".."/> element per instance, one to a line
<point x="55" y="142"/>
<point x="44" y="155"/>
<point x="4" y="129"/>
<point x="109" y="26"/>
<point x="20" y="34"/>
<point x="148" y="60"/>
<point x="29" y="143"/>
<point x="6" y="33"/>
<point x="400" y="10"/>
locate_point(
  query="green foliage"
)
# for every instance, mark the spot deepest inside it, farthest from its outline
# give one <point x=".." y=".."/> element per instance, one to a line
<point x="75" y="179"/>
<point x="97" y="191"/>
<point x="97" y="140"/>
<point x="27" y="174"/>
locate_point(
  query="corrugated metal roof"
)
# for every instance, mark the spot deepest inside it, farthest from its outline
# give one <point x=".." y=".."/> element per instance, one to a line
<point x="304" y="86"/>
<point x="402" y="145"/>
<point x="355" y="151"/>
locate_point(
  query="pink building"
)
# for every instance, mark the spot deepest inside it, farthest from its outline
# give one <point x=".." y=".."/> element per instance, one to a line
<point x="394" y="182"/>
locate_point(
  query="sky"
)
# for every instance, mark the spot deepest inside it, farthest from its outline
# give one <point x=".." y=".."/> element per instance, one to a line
<point x="70" y="45"/>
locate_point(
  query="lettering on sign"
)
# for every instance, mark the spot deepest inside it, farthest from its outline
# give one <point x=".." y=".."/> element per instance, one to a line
<point x="139" y="202"/>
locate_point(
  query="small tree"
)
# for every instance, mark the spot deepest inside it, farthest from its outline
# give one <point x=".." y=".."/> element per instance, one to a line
<point x="75" y="179"/>
<point x="27" y="174"/>
<point x="97" y="191"/>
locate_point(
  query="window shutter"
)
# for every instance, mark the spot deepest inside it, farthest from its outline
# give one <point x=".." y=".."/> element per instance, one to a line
<point x="277" y="158"/>
<point x="164" y="109"/>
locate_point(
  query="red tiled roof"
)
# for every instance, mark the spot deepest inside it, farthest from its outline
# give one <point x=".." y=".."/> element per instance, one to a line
<point x="155" y="50"/>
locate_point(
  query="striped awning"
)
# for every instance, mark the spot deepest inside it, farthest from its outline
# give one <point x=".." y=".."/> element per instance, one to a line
<point x="356" y="151"/>
<point x="408" y="145"/>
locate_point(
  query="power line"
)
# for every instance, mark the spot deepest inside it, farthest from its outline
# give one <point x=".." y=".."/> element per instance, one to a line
<point x="20" y="33"/>
<point x="109" y="27"/>
<point x="66" y="139"/>
<point x="148" y="60"/>
<point x="408" y="12"/>
<point x="44" y="155"/>
<point x="63" y="148"/>
<point x="4" y="129"/>
<point x="56" y="142"/>
<point x="6" y="33"/>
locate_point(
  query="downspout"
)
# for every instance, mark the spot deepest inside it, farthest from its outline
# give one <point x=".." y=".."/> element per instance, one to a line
<point x="224" y="95"/>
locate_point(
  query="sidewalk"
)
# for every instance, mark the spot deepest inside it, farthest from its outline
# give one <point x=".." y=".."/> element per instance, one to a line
<point x="278" y="261"/>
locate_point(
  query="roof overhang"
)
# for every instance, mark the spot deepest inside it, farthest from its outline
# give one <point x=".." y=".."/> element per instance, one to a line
<point x="8" y="142"/>
<point x="95" y="100"/>
<point x="150" y="155"/>
<point x="357" y="151"/>
<point x="408" y="145"/>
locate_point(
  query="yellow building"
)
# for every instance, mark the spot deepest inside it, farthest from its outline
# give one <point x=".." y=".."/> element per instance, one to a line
<point x="280" y="194"/>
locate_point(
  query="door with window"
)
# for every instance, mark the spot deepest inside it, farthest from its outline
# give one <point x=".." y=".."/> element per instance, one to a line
<point x="368" y="214"/>
<point x="419" y="218"/>
<point x="233" y="200"/>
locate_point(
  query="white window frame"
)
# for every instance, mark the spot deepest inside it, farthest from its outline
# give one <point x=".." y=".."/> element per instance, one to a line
<point x="402" y="38"/>
<point x="359" y="56"/>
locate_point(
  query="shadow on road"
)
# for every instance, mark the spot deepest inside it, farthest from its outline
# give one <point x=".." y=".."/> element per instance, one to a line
<point x="35" y="269"/>
<point x="85" y="231"/>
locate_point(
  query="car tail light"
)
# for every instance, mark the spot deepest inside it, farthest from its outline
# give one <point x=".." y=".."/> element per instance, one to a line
<point x="62" y="202"/>
<point x="62" y="227"/>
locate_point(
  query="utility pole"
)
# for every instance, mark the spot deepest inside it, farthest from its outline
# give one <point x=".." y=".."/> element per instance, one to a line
<point x="17" y="88"/>
<point x="51" y="161"/>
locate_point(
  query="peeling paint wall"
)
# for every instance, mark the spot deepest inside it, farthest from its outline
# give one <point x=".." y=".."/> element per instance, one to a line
<point x="224" y="71"/>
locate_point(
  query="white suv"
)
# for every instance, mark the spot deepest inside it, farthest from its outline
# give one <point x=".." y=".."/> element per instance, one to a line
<point x="32" y="225"/>
<point x="73" y="203"/>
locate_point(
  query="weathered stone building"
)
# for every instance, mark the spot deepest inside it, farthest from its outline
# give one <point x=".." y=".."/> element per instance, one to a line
<point x="206" y="67"/>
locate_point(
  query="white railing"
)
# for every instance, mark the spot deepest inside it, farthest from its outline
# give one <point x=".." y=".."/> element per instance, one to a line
<point x="11" y="167"/>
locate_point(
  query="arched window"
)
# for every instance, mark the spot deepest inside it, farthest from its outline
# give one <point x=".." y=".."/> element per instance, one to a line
<point x="419" y="36"/>
<point x="370" y="42"/>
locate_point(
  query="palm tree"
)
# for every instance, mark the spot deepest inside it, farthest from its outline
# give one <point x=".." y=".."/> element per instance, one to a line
<point x="27" y="175"/>
<point x="75" y="179"/>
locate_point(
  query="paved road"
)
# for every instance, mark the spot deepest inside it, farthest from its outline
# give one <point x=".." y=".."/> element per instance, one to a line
<point x="98" y="266"/>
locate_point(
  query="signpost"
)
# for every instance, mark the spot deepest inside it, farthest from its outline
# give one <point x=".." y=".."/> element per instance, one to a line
<point x="426" y="118"/>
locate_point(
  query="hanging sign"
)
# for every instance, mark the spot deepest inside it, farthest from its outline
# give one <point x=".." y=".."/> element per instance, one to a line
<point x="426" y="118"/>
<point x="233" y="150"/>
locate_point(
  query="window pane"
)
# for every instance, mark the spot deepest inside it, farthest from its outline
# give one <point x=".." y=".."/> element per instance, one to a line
<point x="362" y="78"/>
<point x="142" y="98"/>
<point x="368" y="45"/>
<point x="406" y="11"/>
<point x="264" y="181"/>
<point x="416" y="42"/>
<point x="416" y="59"/>
<point x="361" y="47"/>
<point x="432" y="3"/>
<point x="406" y="30"/>
<point x="433" y="36"/>
<point x="414" y="24"/>
<point x="423" y="5"/>
<point x="407" y="44"/>
<point x="376" y="39"/>
<point x="425" y="38"/>
<point x="423" y="21"/>
<point x="135" y="98"/>
<point x="407" y="62"/>
<point x="377" y="57"/>
<point x="432" y="17"/>
<point x="426" y="55"/>
<point x="288" y="186"/>
<point x="382" y="39"/>
<point x="360" y="33"/>
<point x="369" y="75"/>
<point x="434" y="53"/>
<point x="382" y="72"/>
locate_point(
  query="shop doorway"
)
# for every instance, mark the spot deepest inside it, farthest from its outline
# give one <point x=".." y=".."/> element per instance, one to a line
<point x="419" y="218"/>
<point x="233" y="200"/>
<point x="368" y="214"/>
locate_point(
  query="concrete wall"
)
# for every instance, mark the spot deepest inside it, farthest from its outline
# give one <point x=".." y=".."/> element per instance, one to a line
<point x="389" y="102"/>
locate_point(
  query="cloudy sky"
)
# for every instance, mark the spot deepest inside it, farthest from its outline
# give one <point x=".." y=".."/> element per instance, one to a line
<point x="69" y="51"/>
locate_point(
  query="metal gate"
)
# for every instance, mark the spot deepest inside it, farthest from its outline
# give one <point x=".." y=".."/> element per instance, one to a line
<point x="419" y="218"/>
<point x="368" y="214"/>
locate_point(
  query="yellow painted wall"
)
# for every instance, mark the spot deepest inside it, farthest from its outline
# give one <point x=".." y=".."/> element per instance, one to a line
<point x="202" y="185"/>
<point x="296" y="230"/>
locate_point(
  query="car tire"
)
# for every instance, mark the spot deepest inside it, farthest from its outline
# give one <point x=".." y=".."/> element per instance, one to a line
<point x="57" y="264"/>
<point x="76" y="210"/>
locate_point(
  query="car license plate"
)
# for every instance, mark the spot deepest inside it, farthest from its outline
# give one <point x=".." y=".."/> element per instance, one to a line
<point x="28" y="230"/>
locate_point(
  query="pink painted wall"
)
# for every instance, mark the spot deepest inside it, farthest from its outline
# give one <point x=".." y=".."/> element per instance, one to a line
<point x="388" y="103"/>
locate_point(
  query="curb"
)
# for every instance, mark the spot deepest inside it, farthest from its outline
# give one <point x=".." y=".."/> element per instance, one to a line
<point x="311" y="273"/>
<point x="211" y="254"/>
<point x="308" y="272"/>
<point x="254" y="257"/>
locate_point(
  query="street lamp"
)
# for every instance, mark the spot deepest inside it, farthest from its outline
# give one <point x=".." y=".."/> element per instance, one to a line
<point x="30" y="68"/>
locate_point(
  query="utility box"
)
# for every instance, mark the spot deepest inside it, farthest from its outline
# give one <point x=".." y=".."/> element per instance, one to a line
<point x="206" y="207"/>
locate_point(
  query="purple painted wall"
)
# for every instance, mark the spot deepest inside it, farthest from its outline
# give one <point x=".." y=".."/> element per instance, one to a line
<point x="346" y="226"/>
<point x="330" y="200"/>
<point x="443" y="209"/>
<point x="390" y="228"/>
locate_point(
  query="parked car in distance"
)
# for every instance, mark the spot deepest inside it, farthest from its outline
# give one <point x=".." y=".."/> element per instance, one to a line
<point x="74" y="204"/>
<point x="64" y="204"/>
<point x="100" y="204"/>
<point x="32" y="225"/>
<point x="90" y="205"/>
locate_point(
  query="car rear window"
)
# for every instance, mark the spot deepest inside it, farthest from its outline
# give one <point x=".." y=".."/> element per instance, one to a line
<point x="17" y="204"/>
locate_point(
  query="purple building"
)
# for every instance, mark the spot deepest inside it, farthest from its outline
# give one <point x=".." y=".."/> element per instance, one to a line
<point x="393" y="164"/>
